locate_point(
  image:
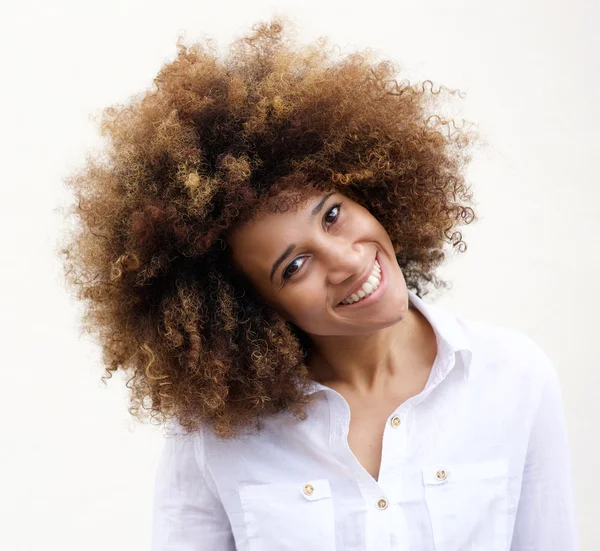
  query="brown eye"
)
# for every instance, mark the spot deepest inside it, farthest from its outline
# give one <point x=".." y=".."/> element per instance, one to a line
<point x="334" y="207"/>
<point x="287" y="273"/>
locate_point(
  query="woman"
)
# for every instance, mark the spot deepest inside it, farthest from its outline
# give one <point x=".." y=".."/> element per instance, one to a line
<point x="254" y="253"/>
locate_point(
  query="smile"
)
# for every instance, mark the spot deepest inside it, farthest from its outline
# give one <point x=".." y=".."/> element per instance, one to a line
<point x="369" y="291"/>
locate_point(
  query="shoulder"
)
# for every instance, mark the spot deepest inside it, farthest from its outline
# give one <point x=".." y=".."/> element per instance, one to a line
<point x="503" y="351"/>
<point x="177" y="438"/>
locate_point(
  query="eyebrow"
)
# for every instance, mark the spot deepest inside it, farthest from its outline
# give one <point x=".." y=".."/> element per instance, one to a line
<point x="288" y="251"/>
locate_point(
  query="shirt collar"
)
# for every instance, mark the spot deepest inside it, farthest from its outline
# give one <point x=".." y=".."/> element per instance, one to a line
<point x="450" y="335"/>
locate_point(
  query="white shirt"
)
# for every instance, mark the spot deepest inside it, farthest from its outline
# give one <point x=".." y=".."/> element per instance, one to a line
<point x="479" y="460"/>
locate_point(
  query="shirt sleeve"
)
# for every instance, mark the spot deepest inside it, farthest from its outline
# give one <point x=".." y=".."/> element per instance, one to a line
<point x="546" y="517"/>
<point x="187" y="514"/>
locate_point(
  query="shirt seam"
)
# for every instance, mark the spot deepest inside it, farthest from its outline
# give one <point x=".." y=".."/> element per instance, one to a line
<point x="202" y="462"/>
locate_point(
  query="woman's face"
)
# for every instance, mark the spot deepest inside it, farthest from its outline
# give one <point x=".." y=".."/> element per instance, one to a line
<point x="304" y="263"/>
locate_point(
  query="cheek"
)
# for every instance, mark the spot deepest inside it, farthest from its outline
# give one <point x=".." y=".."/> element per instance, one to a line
<point x="306" y="311"/>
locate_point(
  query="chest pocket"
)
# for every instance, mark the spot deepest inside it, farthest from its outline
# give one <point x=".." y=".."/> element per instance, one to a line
<point x="468" y="505"/>
<point x="289" y="516"/>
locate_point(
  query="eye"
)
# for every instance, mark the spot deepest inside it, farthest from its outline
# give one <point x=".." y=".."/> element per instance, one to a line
<point x="287" y="273"/>
<point x="336" y="206"/>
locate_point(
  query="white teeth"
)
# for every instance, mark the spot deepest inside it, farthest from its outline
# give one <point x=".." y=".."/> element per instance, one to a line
<point x="373" y="280"/>
<point x="368" y="287"/>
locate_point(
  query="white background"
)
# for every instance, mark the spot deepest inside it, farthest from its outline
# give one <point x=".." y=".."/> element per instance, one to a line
<point x="76" y="472"/>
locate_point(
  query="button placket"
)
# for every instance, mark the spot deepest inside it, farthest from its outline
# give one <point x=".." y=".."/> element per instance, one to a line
<point x="394" y="449"/>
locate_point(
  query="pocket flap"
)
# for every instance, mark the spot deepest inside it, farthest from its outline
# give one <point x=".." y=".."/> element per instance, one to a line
<point x="443" y="473"/>
<point x="315" y="489"/>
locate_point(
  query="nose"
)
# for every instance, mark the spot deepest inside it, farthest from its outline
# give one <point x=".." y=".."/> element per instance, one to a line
<point x="342" y="261"/>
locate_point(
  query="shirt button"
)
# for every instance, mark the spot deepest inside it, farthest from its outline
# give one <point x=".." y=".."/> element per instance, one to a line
<point x="382" y="504"/>
<point x="395" y="422"/>
<point x="308" y="489"/>
<point x="441" y="475"/>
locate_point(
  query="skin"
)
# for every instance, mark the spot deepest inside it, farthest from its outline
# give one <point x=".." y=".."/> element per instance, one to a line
<point x="377" y="356"/>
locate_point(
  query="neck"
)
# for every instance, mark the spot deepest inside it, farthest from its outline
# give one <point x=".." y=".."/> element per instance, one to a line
<point x="370" y="363"/>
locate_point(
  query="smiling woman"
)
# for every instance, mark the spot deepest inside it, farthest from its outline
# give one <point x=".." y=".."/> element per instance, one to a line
<point x="252" y="249"/>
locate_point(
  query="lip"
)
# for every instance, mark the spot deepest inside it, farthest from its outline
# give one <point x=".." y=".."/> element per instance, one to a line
<point x="373" y="297"/>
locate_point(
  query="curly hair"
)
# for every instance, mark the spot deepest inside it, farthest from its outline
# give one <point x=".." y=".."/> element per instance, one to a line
<point x="213" y="144"/>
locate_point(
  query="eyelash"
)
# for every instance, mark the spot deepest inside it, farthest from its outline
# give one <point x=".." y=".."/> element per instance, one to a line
<point x="336" y="205"/>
